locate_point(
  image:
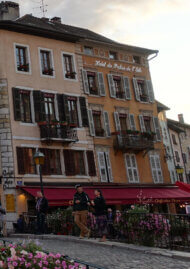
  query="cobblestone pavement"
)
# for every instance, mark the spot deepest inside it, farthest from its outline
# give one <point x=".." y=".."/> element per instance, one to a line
<point x="113" y="258"/>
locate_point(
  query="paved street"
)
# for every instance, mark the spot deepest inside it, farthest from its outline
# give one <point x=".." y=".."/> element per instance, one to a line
<point x="113" y="258"/>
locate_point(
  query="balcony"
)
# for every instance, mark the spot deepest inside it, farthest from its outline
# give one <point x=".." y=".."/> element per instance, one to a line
<point x="133" y="142"/>
<point x="58" y="133"/>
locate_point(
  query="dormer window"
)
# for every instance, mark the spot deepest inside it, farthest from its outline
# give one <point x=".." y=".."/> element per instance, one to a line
<point x="113" y="55"/>
<point x="88" y="50"/>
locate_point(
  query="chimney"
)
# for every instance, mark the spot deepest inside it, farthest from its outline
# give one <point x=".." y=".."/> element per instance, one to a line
<point x="9" y="10"/>
<point x="56" y="19"/>
<point x="180" y="118"/>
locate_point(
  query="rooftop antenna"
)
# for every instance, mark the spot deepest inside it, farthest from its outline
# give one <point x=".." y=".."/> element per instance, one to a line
<point x="43" y="8"/>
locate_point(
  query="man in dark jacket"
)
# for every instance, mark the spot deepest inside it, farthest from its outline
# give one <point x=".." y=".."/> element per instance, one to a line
<point x="81" y="202"/>
<point x="41" y="208"/>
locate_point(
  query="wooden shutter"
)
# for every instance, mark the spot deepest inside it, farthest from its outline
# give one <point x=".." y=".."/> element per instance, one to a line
<point x="101" y="85"/>
<point x="142" y="125"/>
<point x="16" y="104"/>
<point x="102" y="167"/>
<point x="84" y="113"/>
<point x="126" y="88"/>
<point x="150" y="91"/>
<point x="60" y="104"/>
<point x="39" y="106"/>
<point x="20" y="161"/>
<point x="85" y="81"/>
<point x="132" y="170"/>
<point x="91" y="122"/>
<point x="111" y="86"/>
<point x="69" y="162"/>
<point x="107" y="123"/>
<point x="132" y="122"/>
<point x="153" y="168"/>
<point x="157" y="129"/>
<point x="136" y="89"/>
<point x="91" y="163"/>
<point x="159" y="169"/>
<point x="66" y="108"/>
<point x="109" y="169"/>
<point x="117" y="121"/>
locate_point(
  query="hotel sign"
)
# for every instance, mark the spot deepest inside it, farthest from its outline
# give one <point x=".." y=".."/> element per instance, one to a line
<point x="119" y="67"/>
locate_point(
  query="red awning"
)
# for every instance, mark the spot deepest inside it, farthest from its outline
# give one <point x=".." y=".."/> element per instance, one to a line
<point x="115" y="195"/>
<point x="183" y="186"/>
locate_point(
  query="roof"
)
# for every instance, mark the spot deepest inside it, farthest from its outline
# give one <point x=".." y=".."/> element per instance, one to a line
<point x="33" y="25"/>
<point x="161" y="107"/>
<point x="178" y="124"/>
<point x="174" y="125"/>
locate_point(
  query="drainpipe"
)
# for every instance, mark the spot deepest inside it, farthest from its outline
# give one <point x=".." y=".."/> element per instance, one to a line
<point x="154" y="56"/>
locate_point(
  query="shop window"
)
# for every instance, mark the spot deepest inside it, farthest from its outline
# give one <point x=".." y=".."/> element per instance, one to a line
<point x="22" y="105"/>
<point x="46" y="63"/>
<point x="69" y="68"/>
<point x="25" y="160"/>
<point x="22" y="58"/>
<point x="52" y="164"/>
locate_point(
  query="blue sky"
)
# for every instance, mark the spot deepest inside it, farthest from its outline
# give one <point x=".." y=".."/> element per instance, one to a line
<point x="155" y="24"/>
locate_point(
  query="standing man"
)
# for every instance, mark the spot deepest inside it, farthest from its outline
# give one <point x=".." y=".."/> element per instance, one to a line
<point x="41" y="208"/>
<point x="80" y="206"/>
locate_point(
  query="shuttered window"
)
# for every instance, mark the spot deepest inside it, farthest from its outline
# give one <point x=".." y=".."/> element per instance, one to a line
<point x="91" y="163"/>
<point x="63" y="109"/>
<point x="39" y="106"/>
<point x="73" y="111"/>
<point x="84" y="112"/>
<point x="156" y="169"/>
<point x="131" y="167"/>
<point x="22" y="105"/>
<point x="97" y="119"/>
<point x="126" y="87"/>
<point x="93" y="83"/>
<point x="143" y="90"/>
<point x="107" y="123"/>
<point x="157" y="129"/>
<point x="52" y="164"/>
<point x="105" y="167"/>
<point x="74" y="162"/>
<point x="25" y="161"/>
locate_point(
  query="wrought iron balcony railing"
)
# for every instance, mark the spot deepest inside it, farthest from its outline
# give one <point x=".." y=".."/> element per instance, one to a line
<point x="135" y="142"/>
<point x="57" y="132"/>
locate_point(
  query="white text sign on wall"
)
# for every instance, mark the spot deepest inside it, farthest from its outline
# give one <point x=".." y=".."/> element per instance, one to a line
<point x="119" y="67"/>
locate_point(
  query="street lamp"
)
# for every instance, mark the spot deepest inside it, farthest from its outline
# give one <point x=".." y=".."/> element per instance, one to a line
<point x="39" y="160"/>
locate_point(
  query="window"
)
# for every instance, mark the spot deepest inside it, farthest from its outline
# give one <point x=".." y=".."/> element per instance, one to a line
<point x="132" y="170"/>
<point x="177" y="156"/>
<point x="174" y="139"/>
<point x="69" y="69"/>
<point x="99" y="131"/>
<point x="88" y="50"/>
<point x="25" y="161"/>
<point x="93" y="83"/>
<point x="156" y="169"/>
<point x="118" y="87"/>
<point x="91" y="163"/>
<point x="123" y="122"/>
<point x="46" y="63"/>
<point x="188" y="150"/>
<point x="143" y="91"/>
<point x="165" y="133"/>
<point x="73" y="112"/>
<point x="22" y="58"/>
<point x="22" y="106"/>
<point x="105" y="167"/>
<point x="49" y="104"/>
<point x="52" y="164"/>
<point x="184" y="156"/>
<point x="74" y="162"/>
<point x="113" y="55"/>
<point x="147" y="123"/>
<point x="136" y="59"/>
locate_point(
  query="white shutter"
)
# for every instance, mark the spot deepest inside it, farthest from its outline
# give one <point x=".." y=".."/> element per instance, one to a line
<point x="85" y="81"/>
<point x="126" y="87"/>
<point x="150" y="91"/>
<point x="157" y="129"/>
<point x="132" y="122"/>
<point x="131" y="167"/>
<point x="107" y="123"/>
<point x="102" y="167"/>
<point x="141" y="120"/>
<point x="153" y="168"/>
<point x="159" y="169"/>
<point x="136" y="89"/>
<point x="101" y="84"/>
<point x="109" y="170"/>
<point x="111" y="86"/>
<point x="117" y="121"/>
<point x="91" y="123"/>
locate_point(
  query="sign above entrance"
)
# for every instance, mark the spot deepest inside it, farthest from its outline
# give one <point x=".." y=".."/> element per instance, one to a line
<point x="118" y="66"/>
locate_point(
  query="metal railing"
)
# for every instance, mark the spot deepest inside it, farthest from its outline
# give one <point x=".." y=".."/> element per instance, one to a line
<point x="58" y="132"/>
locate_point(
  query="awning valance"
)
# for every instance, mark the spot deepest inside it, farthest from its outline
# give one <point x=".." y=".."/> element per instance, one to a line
<point x="115" y="195"/>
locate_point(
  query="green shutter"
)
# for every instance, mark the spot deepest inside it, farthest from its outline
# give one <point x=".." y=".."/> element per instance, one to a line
<point x="84" y="113"/>
<point x="39" y="106"/>
<point x="16" y="104"/>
